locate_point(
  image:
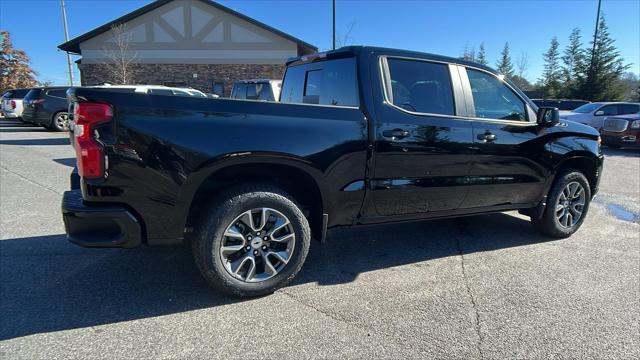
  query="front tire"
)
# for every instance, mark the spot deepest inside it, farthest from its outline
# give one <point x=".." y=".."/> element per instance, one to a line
<point x="251" y="241"/>
<point x="567" y="205"/>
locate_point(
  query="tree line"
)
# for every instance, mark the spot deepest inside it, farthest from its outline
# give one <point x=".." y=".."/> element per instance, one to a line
<point x="596" y="72"/>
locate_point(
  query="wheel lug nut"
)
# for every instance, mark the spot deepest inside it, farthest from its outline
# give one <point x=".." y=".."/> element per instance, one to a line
<point x="255" y="252"/>
<point x="265" y="238"/>
<point x="248" y="248"/>
<point x="258" y="233"/>
<point x="249" y="237"/>
<point x="264" y="247"/>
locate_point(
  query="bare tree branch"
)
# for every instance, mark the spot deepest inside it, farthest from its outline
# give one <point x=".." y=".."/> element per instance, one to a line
<point x="346" y="38"/>
<point x="119" y="55"/>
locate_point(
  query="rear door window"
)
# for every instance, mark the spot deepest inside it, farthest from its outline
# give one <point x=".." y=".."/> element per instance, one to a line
<point x="625" y="109"/>
<point x="331" y="82"/>
<point x="421" y="86"/>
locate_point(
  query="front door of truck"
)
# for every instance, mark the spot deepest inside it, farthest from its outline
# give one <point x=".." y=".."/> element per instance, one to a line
<point x="506" y="170"/>
<point x="422" y="149"/>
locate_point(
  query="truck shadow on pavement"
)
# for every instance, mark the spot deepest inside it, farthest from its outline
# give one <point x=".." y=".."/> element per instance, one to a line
<point x="44" y="141"/>
<point x="18" y="126"/>
<point x="50" y="285"/>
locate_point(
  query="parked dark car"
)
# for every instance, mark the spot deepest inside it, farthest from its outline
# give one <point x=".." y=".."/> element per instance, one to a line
<point x="361" y="135"/>
<point x="562" y="104"/>
<point x="47" y="107"/>
<point x="621" y="131"/>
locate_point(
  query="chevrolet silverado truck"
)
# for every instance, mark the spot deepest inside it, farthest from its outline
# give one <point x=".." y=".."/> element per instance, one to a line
<point x="361" y="135"/>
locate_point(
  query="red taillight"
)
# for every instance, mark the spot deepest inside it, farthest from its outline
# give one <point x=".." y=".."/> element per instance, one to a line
<point x="89" y="151"/>
<point x="13" y="104"/>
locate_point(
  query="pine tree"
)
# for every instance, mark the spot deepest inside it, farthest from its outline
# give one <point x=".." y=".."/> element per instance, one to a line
<point x="573" y="65"/>
<point x="468" y="54"/>
<point x="504" y="65"/>
<point x="481" y="58"/>
<point x="551" y="76"/>
<point x="604" y="70"/>
<point x="15" y="69"/>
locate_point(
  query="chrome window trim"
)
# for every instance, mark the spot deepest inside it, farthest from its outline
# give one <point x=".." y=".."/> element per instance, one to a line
<point x="385" y="78"/>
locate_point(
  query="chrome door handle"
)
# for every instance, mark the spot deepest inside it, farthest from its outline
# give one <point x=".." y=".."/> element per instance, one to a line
<point x="487" y="137"/>
<point x="395" y="134"/>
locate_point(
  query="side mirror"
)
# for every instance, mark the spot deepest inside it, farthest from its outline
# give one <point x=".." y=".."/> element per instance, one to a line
<point x="548" y="116"/>
<point x="599" y="113"/>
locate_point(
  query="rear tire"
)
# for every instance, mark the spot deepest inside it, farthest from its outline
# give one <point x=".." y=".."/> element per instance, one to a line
<point x="59" y="122"/>
<point x="567" y="206"/>
<point x="237" y="222"/>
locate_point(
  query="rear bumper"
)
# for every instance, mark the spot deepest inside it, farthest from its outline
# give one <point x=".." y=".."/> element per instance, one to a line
<point x="35" y="117"/>
<point x="101" y="226"/>
<point x="10" y="115"/>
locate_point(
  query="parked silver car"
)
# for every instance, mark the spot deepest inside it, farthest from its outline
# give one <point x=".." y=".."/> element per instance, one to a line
<point x="594" y="114"/>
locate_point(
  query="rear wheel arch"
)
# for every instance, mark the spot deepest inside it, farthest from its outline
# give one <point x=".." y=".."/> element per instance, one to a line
<point x="303" y="187"/>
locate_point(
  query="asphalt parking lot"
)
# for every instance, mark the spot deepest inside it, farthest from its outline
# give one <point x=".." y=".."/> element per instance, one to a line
<point x="479" y="287"/>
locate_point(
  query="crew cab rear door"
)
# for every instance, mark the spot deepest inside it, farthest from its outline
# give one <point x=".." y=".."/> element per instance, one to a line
<point x="506" y="168"/>
<point x="422" y="149"/>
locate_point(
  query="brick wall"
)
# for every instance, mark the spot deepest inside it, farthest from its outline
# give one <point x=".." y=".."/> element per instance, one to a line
<point x="159" y="74"/>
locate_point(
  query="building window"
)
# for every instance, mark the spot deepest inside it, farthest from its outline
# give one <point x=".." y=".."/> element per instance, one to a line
<point x="218" y="88"/>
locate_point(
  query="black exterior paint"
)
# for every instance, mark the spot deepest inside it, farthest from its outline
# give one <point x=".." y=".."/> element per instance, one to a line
<point x="161" y="149"/>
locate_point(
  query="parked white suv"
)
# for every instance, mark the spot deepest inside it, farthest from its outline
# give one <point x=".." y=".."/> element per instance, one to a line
<point x="594" y="114"/>
<point x="11" y="103"/>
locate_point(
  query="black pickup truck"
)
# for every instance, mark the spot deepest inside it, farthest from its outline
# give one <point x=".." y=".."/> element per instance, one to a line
<point x="361" y="135"/>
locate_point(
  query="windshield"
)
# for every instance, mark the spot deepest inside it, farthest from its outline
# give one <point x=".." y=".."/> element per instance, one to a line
<point x="587" y="108"/>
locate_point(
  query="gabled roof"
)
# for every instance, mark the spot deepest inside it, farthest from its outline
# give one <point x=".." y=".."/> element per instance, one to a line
<point x="73" y="45"/>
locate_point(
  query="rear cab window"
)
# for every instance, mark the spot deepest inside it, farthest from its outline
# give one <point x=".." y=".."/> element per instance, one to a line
<point x="328" y="82"/>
